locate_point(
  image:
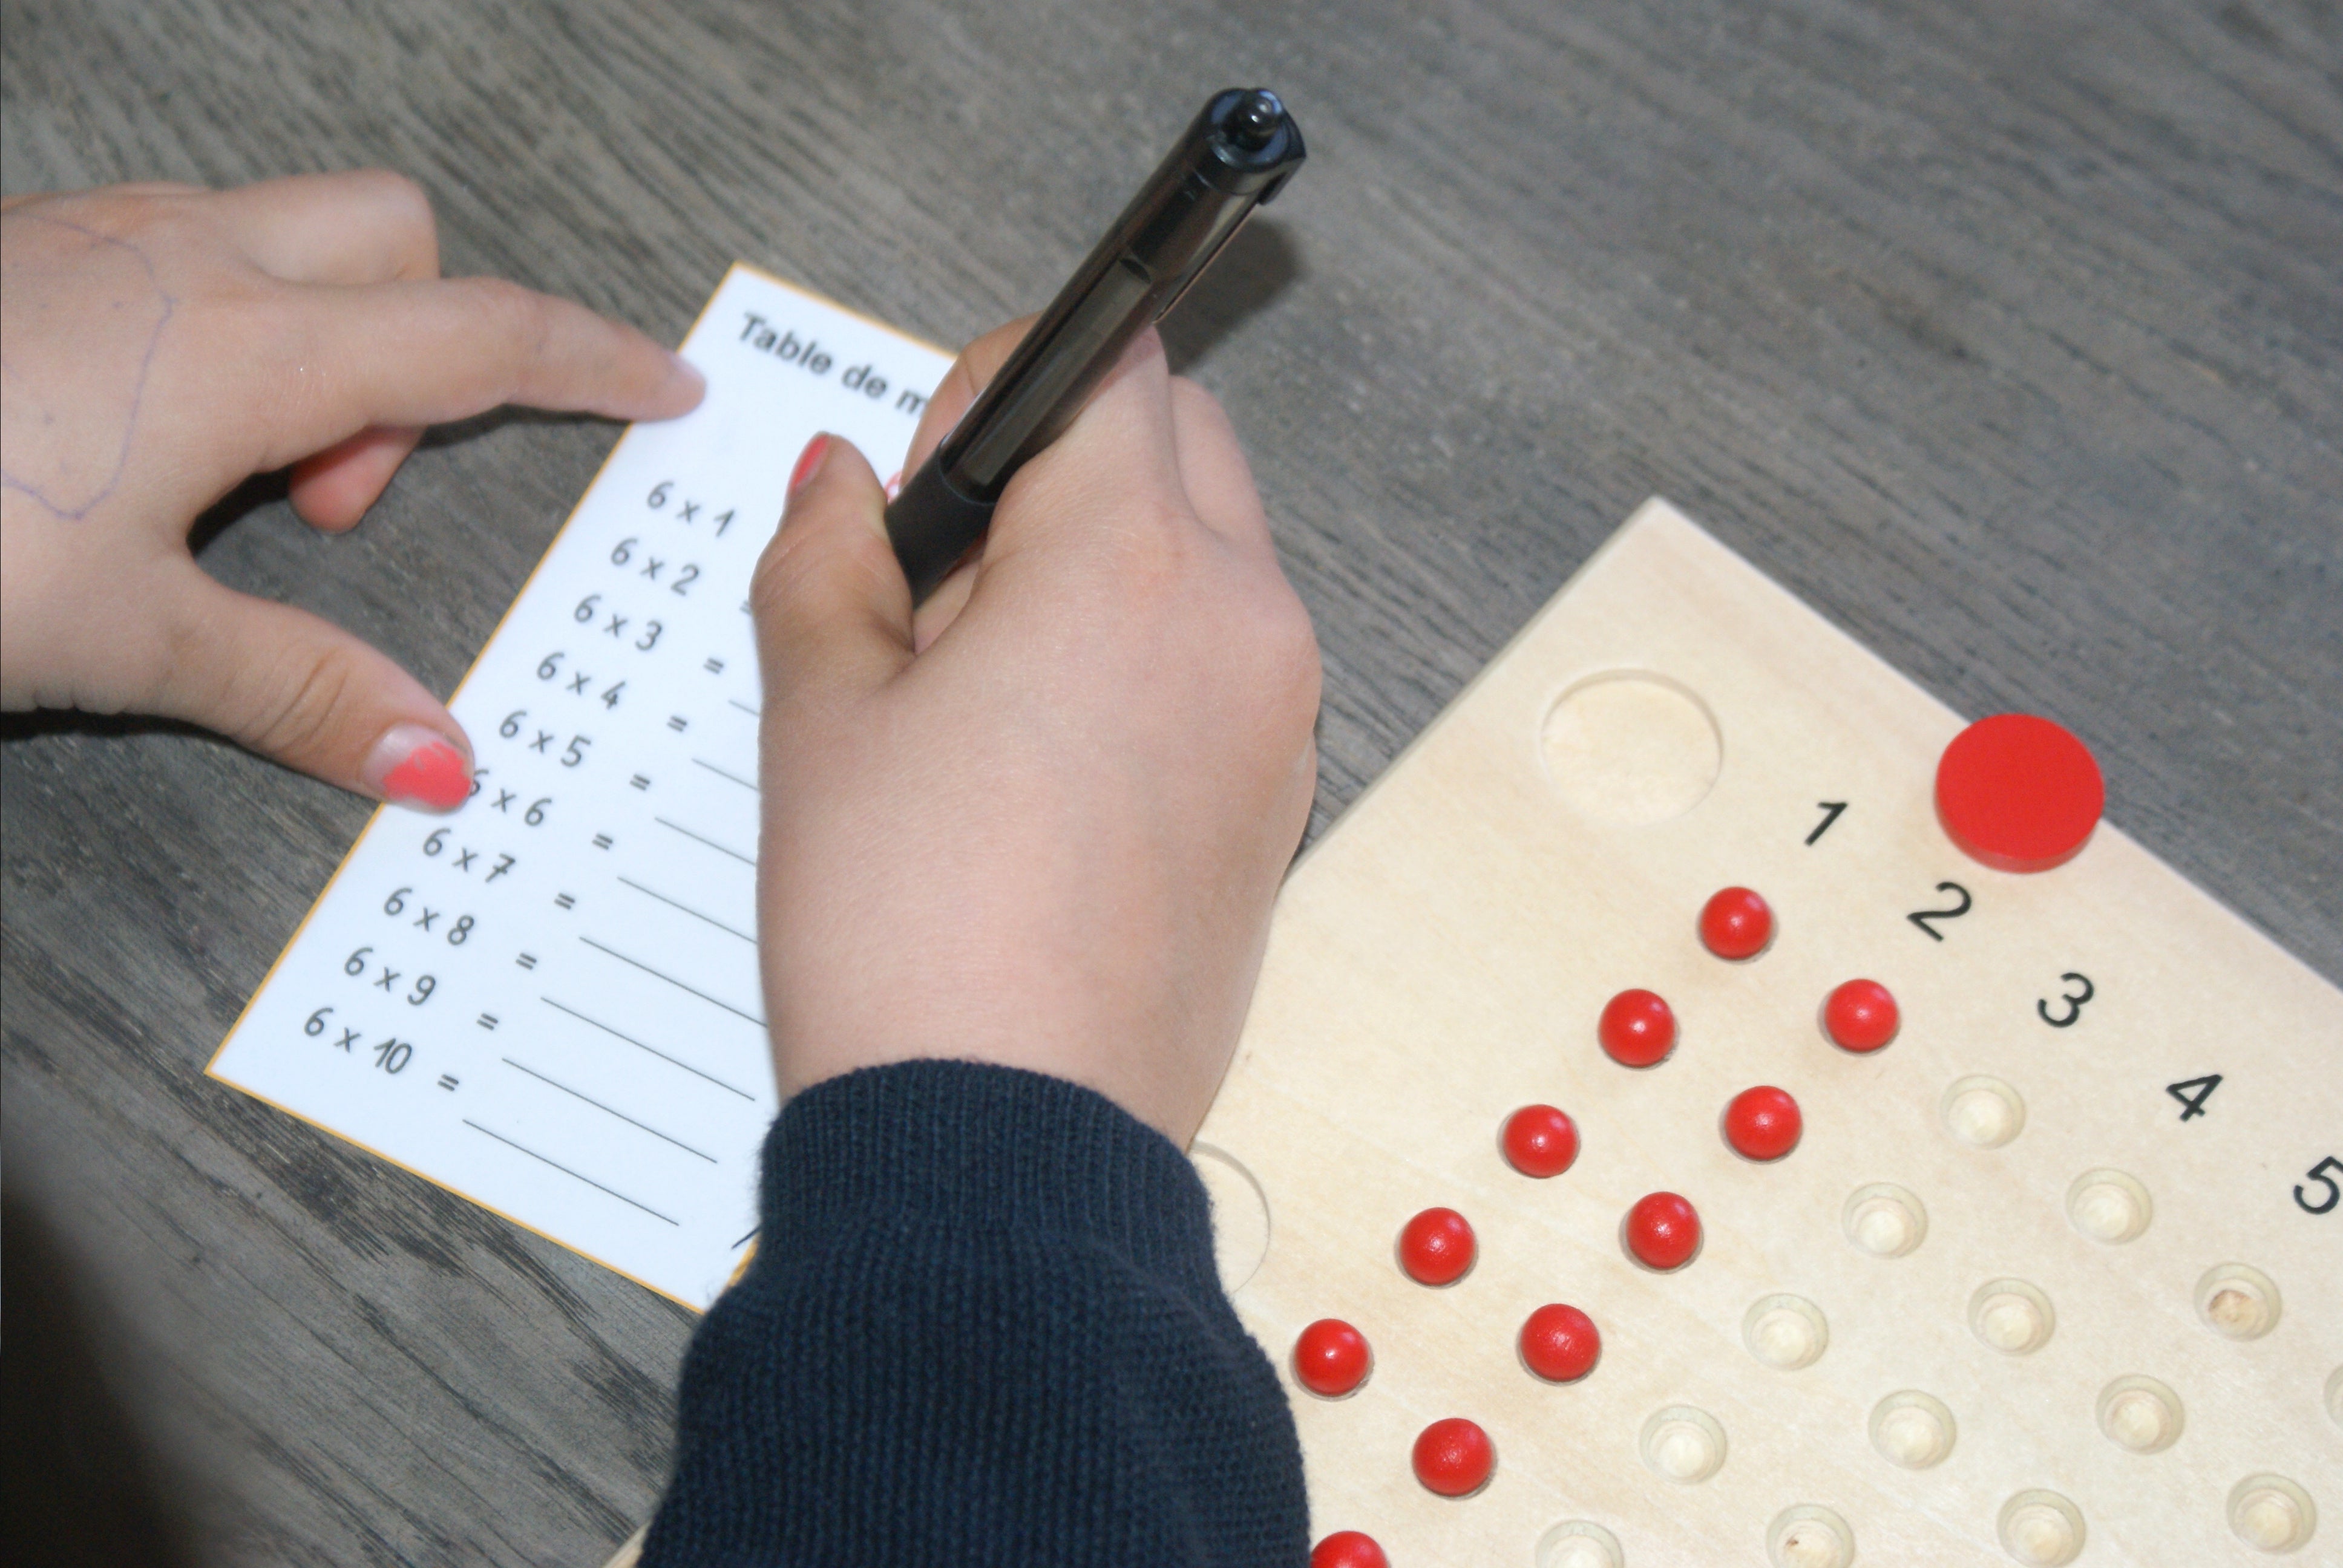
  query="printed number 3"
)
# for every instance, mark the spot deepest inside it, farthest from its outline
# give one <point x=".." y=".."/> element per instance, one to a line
<point x="2318" y="1173"/>
<point x="2074" y="1000"/>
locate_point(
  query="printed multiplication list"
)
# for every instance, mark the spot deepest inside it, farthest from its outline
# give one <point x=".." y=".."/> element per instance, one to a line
<point x="549" y="1001"/>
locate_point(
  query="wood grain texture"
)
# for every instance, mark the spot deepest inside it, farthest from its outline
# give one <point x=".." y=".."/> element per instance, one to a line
<point x="2008" y="337"/>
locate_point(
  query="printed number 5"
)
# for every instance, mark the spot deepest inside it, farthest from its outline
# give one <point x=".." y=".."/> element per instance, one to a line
<point x="2318" y="1173"/>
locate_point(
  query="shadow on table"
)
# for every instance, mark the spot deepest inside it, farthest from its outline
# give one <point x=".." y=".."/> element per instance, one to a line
<point x="1253" y="269"/>
<point x="80" y="1483"/>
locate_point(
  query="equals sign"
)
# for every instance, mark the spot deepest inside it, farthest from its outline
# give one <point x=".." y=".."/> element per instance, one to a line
<point x="527" y="962"/>
<point x="446" y="1080"/>
<point x="714" y="667"/>
<point x="640" y="782"/>
<point x="565" y="901"/>
<point x="488" y="1020"/>
<point x="677" y="723"/>
<point x="601" y="840"/>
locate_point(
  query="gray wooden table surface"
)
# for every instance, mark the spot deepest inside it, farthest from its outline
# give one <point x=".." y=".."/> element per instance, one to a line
<point x="2010" y="335"/>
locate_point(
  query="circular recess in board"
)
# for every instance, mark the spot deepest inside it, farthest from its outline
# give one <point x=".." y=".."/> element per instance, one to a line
<point x="1736" y="924"/>
<point x="2238" y="1300"/>
<point x="2012" y="1317"/>
<point x="1637" y="1029"/>
<point x="1884" y="1220"/>
<point x="2018" y="793"/>
<point x="2108" y="1206"/>
<point x="2041" y="1529"/>
<point x="1630" y="748"/>
<point x="1453" y="1457"/>
<point x="1437" y="1247"/>
<point x="1580" y="1543"/>
<point x="1913" y="1428"/>
<point x="1982" y="1112"/>
<point x="1539" y="1141"/>
<point x="2140" y="1414"/>
<point x="1682" y="1443"/>
<point x="1331" y="1359"/>
<point x="1785" y="1332"/>
<point x="2271" y="1513"/>
<point x="2335" y="1395"/>
<point x="1240" y="1214"/>
<point x="1348" y="1549"/>
<point x="1809" y="1535"/>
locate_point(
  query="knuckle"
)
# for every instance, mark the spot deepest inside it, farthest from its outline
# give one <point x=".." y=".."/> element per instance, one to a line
<point x="297" y="713"/>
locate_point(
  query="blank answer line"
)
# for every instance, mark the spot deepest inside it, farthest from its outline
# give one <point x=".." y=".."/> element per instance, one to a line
<point x="745" y="784"/>
<point x="638" y="1045"/>
<point x="566" y="1171"/>
<point x="720" y="849"/>
<point x="598" y="1105"/>
<point x="751" y="713"/>
<point x="687" y="909"/>
<point x="679" y="985"/>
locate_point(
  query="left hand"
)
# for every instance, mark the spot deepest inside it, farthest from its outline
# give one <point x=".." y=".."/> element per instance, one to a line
<point x="162" y="343"/>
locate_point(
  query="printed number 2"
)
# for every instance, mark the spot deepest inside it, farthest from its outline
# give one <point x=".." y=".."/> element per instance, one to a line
<point x="1921" y="918"/>
<point x="2318" y="1173"/>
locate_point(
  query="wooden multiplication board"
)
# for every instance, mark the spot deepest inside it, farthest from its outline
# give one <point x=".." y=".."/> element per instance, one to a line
<point x="1672" y="723"/>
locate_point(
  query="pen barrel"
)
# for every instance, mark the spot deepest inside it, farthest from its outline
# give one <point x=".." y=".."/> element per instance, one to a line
<point x="931" y="527"/>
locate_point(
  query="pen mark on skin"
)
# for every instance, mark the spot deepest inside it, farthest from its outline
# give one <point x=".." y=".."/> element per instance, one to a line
<point x="58" y="505"/>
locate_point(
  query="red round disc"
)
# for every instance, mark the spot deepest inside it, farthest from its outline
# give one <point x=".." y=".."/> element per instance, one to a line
<point x="1560" y="1343"/>
<point x="2018" y="793"/>
<point x="1763" y="1123"/>
<point x="1540" y="1141"/>
<point x="1861" y="1016"/>
<point x="1663" y="1231"/>
<point x="1332" y="1358"/>
<point x="1436" y="1248"/>
<point x="1736" y="923"/>
<point x="1453" y="1457"/>
<point x="1348" y="1549"/>
<point x="1638" y="1028"/>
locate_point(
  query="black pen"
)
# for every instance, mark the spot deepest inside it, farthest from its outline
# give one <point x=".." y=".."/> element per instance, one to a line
<point x="1236" y="154"/>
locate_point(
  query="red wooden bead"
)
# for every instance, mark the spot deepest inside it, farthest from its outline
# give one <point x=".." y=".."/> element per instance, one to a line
<point x="1861" y="1016"/>
<point x="1638" y="1028"/>
<point x="1348" y="1549"/>
<point x="1763" y="1123"/>
<point x="1736" y="923"/>
<point x="1436" y="1248"/>
<point x="1663" y="1231"/>
<point x="1332" y="1358"/>
<point x="2018" y="793"/>
<point x="1541" y="1140"/>
<point x="1453" y="1457"/>
<point x="1560" y="1343"/>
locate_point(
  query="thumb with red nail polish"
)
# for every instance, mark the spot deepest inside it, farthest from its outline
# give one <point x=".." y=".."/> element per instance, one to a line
<point x="302" y="691"/>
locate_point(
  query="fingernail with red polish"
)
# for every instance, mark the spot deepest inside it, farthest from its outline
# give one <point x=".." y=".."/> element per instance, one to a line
<point x="894" y="485"/>
<point x="808" y="461"/>
<point x="418" y="767"/>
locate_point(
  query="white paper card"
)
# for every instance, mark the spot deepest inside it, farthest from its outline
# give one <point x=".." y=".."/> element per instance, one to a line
<point x="549" y="1001"/>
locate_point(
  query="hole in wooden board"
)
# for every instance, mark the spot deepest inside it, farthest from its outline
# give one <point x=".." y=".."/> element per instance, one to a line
<point x="1580" y="1543"/>
<point x="2012" y="1317"/>
<point x="1785" y="1332"/>
<point x="2140" y="1414"/>
<point x="2271" y="1513"/>
<point x="1913" y="1428"/>
<point x="2041" y="1529"/>
<point x="1809" y="1536"/>
<point x="1632" y="748"/>
<point x="2237" y="1300"/>
<point x="2108" y="1206"/>
<point x="1240" y="1215"/>
<point x="1982" y="1112"/>
<point x="1681" y="1443"/>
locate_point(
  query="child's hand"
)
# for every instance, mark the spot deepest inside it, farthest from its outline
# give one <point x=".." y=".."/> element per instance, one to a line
<point x="1049" y="837"/>
<point x="164" y="342"/>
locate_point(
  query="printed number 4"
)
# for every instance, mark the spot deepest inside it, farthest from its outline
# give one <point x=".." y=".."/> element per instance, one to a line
<point x="2193" y="1092"/>
<point x="2318" y="1173"/>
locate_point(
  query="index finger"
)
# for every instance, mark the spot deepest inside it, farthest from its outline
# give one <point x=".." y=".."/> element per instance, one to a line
<point x="970" y="373"/>
<point x="425" y="353"/>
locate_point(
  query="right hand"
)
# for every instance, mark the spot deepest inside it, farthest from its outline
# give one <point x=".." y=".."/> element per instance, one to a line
<point x="1044" y="828"/>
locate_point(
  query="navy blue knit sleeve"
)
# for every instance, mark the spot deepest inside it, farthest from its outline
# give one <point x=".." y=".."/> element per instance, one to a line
<point x="982" y="1327"/>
